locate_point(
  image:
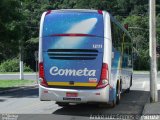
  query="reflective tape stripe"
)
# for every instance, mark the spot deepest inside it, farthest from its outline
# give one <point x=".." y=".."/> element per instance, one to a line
<point x="75" y="84"/>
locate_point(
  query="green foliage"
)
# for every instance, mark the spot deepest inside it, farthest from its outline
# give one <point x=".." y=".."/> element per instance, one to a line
<point x="158" y="29"/>
<point x="6" y="84"/>
<point x="19" y="21"/>
<point x="142" y="62"/>
<point x="31" y="46"/>
<point x="10" y="18"/>
<point x="139" y="30"/>
<point x="12" y="65"/>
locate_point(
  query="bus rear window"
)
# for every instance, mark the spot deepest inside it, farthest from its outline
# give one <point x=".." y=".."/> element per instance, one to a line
<point x="73" y="23"/>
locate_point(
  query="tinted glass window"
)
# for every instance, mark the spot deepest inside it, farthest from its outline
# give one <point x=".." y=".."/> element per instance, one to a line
<point x="73" y="22"/>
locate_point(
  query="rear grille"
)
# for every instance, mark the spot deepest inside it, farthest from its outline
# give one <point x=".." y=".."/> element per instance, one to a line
<point x="72" y="54"/>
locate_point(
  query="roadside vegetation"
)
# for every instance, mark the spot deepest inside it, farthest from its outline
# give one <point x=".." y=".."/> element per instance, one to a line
<point x="19" y="21"/>
<point x="12" y="65"/>
<point x="9" y="84"/>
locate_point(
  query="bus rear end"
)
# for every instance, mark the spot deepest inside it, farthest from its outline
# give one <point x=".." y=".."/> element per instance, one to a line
<point x="71" y="67"/>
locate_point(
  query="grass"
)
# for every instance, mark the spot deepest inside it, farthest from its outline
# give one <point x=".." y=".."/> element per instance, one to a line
<point x="15" y="83"/>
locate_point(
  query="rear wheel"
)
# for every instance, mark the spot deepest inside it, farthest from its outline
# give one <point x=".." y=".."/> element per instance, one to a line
<point x="117" y="97"/>
<point x="118" y="92"/>
<point x="131" y="81"/>
<point x="128" y="90"/>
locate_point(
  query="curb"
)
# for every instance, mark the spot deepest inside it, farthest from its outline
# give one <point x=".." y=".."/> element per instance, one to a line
<point x="151" y="108"/>
<point x="18" y="88"/>
<point x="151" y="111"/>
<point x="143" y="72"/>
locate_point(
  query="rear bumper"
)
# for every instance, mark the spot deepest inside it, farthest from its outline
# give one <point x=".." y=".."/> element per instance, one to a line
<point x="84" y="96"/>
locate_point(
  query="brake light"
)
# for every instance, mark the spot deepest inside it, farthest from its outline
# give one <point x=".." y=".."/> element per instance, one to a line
<point x="41" y="75"/>
<point x="104" y="76"/>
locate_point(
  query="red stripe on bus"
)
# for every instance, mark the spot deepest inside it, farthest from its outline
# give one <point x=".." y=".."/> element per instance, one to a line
<point x="74" y="35"/>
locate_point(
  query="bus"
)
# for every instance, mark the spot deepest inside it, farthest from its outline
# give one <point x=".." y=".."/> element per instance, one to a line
<point x="85" y="56"/>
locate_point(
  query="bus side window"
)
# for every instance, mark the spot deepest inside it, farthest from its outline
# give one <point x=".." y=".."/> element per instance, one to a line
<point x="130" y="56"/>
<point x="116" y="36"/>
<point x="124" y="51"/>
<point x="128" y="51"/>
<point x="113" y="34"/>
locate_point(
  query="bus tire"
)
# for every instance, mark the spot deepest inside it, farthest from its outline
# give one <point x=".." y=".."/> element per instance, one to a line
<point x="131" y="81"/>
<point x="118" y="92"/>
<point x="128" y="90"/>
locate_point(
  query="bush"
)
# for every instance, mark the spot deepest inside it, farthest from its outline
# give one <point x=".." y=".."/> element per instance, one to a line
<point x="27" y="69"/>
<point x="12" y="65"/>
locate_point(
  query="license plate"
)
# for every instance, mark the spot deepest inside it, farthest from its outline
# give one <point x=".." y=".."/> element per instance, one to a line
<point x="71" y="94"/>
<point x="71" y="99"/>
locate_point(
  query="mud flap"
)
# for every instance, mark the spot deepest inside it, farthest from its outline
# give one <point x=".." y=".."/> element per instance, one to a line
<point x="112" y="94"/>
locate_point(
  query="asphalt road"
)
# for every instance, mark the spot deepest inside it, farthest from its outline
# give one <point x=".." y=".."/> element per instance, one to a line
<point x="26" y="105"/>
<point x="27" y="102"/>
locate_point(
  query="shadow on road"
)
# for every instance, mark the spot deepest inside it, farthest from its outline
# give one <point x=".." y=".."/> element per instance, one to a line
<point x="30" y="92"/>
<point x="2" y="100"/>
<point x="131" y="103"/>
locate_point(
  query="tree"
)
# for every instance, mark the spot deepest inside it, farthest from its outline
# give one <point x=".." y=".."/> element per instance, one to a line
<point x="10" y="17"/>
<point x="138" y="28"/>
<point x="21" y="22"/>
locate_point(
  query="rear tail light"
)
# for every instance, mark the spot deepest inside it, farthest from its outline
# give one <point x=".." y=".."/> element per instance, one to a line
<point x="104" y="76"/>
<point x="41" y="75"/>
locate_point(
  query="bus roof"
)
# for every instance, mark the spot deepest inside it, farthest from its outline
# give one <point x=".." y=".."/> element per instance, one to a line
<point x="76" y="10"/>
<point x="92" y="11"/>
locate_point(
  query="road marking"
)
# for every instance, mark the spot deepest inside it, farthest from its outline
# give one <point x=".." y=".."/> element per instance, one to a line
<point x="144" y="83"/>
